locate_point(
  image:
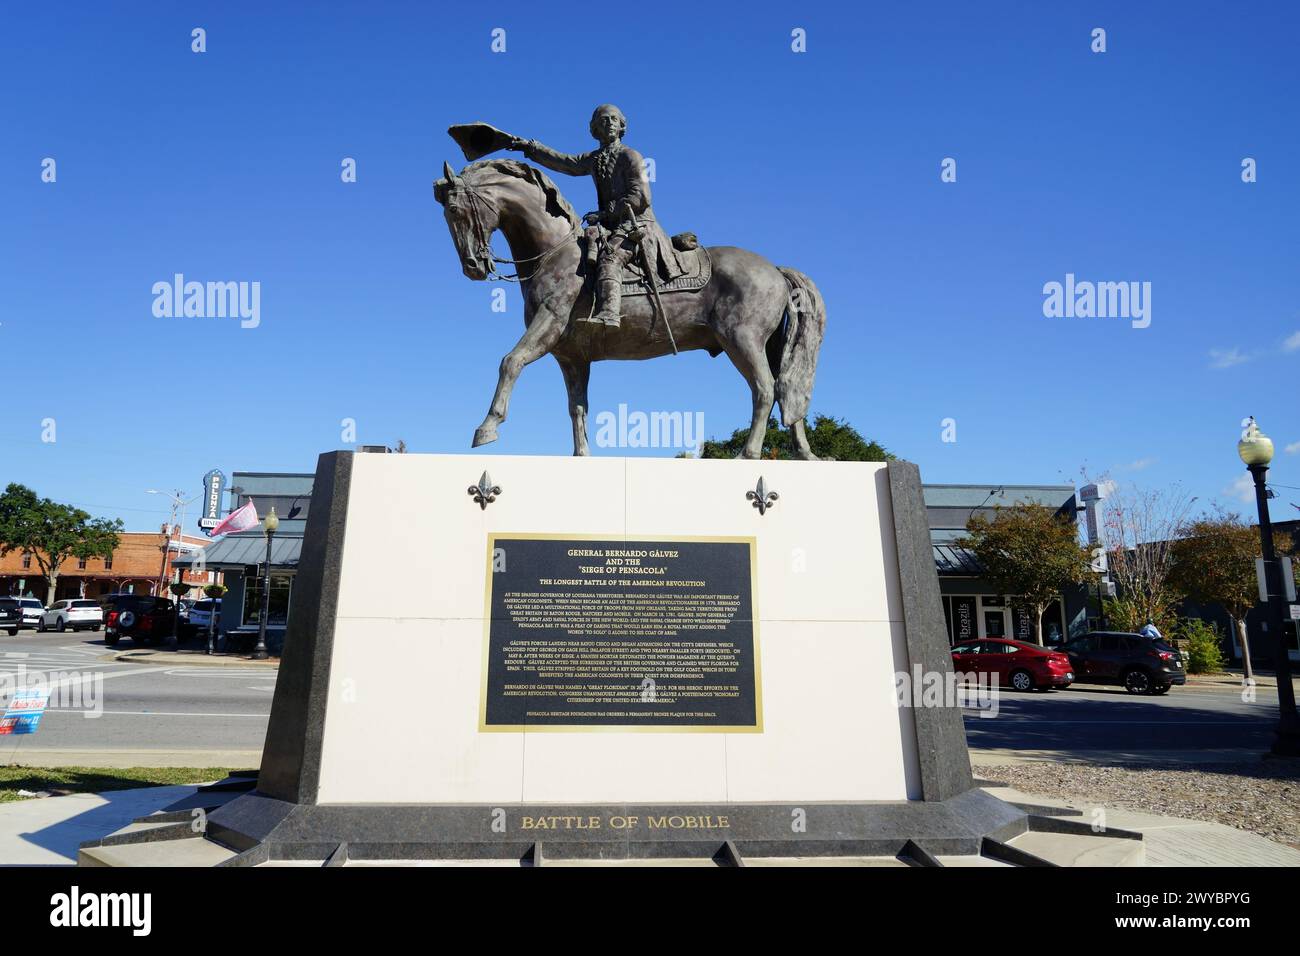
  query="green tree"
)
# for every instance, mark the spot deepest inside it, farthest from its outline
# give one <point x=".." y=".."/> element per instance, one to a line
<point x="1201" y="640"/>
<point x="52" y="532"/>
<point x="828" y="437"/>
<point x="1214" y="563"/>
<point x="1028" y="552"/>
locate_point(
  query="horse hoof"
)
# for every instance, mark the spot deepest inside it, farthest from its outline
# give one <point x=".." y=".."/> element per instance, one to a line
<point x="483" y="435"/>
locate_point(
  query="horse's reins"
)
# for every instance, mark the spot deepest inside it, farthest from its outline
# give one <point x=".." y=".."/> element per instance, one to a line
<point x="485" y="246"/>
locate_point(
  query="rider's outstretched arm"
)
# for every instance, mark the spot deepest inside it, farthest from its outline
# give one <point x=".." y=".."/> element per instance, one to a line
<point x="566" y="163"/>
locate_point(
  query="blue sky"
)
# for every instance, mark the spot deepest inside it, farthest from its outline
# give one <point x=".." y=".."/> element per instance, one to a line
<point x="1115" y="166"/>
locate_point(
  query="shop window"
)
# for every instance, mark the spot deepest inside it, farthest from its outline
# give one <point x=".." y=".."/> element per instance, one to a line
<point x="1053" y="623"/>
<point x="277" y="613"/>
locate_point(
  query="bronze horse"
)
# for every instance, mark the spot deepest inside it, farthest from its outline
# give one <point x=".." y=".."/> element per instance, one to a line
<point x="769" y="320"/>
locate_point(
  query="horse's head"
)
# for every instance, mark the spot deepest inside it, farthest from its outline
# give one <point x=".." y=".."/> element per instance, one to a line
<point x="471" y="217"/>
<point x="502" y="194"/>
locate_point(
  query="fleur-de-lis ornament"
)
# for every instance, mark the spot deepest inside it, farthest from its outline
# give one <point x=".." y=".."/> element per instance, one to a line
<point x="484" y="492"/>
<point x="761" y="497"/>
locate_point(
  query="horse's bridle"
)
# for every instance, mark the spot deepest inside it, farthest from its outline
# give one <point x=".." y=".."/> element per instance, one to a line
<point x="484" y="238"/>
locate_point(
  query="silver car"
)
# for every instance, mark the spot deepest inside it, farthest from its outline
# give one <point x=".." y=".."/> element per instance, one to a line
<point x="75" y="613"/>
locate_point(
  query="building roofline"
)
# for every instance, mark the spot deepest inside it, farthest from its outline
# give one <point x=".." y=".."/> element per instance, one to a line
<point x="968" y="484"/>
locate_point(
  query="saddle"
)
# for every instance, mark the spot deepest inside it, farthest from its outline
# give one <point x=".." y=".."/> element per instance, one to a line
<point x="694" y="258"/>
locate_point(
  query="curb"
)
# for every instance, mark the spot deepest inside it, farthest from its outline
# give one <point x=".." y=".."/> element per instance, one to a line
<point x="1227" y="680"/>
<point x="187" y="658"/>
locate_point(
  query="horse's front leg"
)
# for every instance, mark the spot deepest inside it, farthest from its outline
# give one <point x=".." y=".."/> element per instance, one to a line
<point x="542" y="334"/>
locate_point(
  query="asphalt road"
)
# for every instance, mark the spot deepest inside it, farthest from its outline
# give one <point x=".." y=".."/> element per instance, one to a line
<point x="194" y="712"/>
<point x="1198" y="722"/>
<point x="202" y="715"/>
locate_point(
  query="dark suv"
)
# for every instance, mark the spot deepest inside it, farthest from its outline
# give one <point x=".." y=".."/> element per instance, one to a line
<point x="1137" y="663"/>
<point x="143" y="618"/>
<point x="11" y="615"/>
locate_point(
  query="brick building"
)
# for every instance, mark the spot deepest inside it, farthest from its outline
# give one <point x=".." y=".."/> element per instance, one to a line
<point x="139" y="560"/>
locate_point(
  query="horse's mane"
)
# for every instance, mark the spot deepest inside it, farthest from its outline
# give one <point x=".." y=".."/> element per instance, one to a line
<point x="556" y="204"/>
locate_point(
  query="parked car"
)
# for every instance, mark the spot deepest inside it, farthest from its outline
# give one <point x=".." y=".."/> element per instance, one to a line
<point x="1139" y="664"/>
<point x="11" y="615"/>
<point x="201" y="613"/>
<point x="145" y="619"/>
<point x="1015" y="663"/>
<point x="79" y="614"/>
<point x="32" y="611"/>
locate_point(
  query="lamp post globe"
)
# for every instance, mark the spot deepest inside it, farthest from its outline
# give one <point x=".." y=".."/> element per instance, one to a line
<point x="1255" y="448"/>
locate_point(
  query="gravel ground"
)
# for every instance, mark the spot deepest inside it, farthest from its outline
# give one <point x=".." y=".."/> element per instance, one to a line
<point x="1263" y="798"/>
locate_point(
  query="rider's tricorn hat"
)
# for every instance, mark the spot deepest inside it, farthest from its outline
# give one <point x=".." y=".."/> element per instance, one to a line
<point x="478" y="139"/>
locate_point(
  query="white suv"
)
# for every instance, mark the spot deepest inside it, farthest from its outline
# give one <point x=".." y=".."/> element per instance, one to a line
<point x="76" y="613"/>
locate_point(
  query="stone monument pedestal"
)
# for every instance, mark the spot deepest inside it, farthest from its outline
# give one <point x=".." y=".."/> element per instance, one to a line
<point x="611" y="658"/>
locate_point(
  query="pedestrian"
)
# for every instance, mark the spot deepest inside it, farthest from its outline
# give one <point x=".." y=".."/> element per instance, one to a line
<point x="1150" y="630"/>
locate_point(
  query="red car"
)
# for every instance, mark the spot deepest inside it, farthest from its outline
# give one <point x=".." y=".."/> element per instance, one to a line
<point x="1020" y="665"/>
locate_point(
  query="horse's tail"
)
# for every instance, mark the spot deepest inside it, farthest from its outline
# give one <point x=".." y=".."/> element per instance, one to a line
<point x="801" y="334"/>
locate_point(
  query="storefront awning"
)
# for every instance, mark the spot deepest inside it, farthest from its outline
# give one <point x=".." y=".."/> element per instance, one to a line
<point x="238" y="551"/>
<point x="950" y="559"/>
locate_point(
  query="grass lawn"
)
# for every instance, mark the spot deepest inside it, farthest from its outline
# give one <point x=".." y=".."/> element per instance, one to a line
<point x="64" y="780"/>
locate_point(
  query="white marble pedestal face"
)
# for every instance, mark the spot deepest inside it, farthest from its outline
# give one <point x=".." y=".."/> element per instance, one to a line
<point x="406" y="666"/>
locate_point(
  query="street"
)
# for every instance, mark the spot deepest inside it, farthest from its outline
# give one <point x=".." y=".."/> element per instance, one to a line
<point x="1194" y="722"/>
<point x="204" y="714"/>
<point x="179" y="715"/>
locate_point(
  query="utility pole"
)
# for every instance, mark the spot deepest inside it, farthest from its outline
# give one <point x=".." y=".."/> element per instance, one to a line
<point x="179" y="504"/>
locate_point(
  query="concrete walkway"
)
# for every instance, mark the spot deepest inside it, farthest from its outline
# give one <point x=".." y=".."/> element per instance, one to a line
<point x="47" y="831"/>
<point x="1171" y="841"/>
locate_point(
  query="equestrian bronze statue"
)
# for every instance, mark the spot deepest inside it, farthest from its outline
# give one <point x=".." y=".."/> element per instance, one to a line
<point x="612" y="285"/>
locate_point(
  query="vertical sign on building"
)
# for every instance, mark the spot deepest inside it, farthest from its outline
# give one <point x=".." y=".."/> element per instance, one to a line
<point x="214" y="484"/>
<point x="963" y="619"/>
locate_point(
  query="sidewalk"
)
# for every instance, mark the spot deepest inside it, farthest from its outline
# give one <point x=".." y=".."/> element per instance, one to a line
<point x="47" y="831"/>
<point x="1232" y="678"/>
<point x="189" y="657"/>
<point x="1172" y="841"/>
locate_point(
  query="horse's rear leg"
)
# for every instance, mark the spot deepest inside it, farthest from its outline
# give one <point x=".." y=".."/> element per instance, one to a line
<point x="542" y="335"/>
<point x="802" y="450"/>
<point x="750" y="359"/>
<point x="577" y="374"/>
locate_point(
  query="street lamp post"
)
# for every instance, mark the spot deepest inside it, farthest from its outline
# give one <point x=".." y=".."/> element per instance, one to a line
<point x="269" y="525"/>
<point x="1256" y="450"/>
